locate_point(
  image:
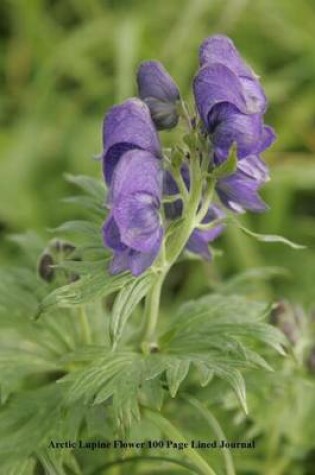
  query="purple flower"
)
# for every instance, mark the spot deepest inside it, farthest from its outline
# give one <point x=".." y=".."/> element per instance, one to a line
<point x="133" y="228"/>
<point x="231" y="104"/>
<point x="199" y="239"/>
<point x="239" y="192"/>
<point x="158" y="90"/>
<point x="230" y="100"/>
<point x="127" y="126"/>
<point x="219" y="49"/>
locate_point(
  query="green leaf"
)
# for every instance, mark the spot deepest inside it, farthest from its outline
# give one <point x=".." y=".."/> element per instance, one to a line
<point x="125" y="303"/>
<point x="270" y="238"/>
<point x="91" y="286"/>
<point x="153" y="394"/>
<point x="236" y="380"/>
<point x="205" y="374"/>
<point x="36" y="412"/>
<point x="24" y="466"/>
<point x="228" y="167"/>
<point x="90" y="232"/>
<point x="85" y="202"/>
<point x="216" y="334"/>
<point x="176" y="373"/>
<point x="250" y="278"/>
<point x="91" y="186"/>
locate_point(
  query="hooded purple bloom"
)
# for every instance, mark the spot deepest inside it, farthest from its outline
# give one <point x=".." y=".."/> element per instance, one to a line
<point x="230" y="100"/>
<point x="231" y="104"/>
<point x="127" y="126"/>
<point x="159" y="91"/>
<point x="133" y="229"/>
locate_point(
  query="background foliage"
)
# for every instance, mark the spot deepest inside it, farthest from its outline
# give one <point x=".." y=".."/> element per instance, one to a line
<point x="64" y="62"/>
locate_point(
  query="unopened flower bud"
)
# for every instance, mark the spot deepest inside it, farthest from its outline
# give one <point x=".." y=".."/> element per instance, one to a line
<point x="159" y="91"/>
<point x="283" y="316"/>
<point x="45" y="269"/>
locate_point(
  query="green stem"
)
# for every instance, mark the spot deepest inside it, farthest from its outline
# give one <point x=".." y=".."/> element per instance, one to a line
<point x="168" y="429"/>
<point x="85" y="327"/>
<point x="213" y="423"/>
<point x="152" y="305"/>
<point x="181" y="185"/>
<point x="139" y="459"/>
<point x="179" y="238"/>
<point x="184" y="113"/>
<point x="206" y="201"/>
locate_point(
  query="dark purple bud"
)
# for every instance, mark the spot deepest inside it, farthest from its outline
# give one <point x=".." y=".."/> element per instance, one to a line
<point x="45" y="269"/>
<point x="159" y="91"/>
<point x="63" y="246"/>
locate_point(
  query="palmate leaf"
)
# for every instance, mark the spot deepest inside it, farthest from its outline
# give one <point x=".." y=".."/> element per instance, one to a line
<point x="96" y="283"/>
<point x="216" y="334"/>
<point x="125" y="303"/>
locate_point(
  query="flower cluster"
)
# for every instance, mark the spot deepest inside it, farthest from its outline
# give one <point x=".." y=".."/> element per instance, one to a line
<point x="144" y="193"/>
<point x="231" y="104"/>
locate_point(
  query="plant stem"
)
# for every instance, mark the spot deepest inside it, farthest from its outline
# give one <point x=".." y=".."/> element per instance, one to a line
<point x="179" y="238"/>
<point x="206" y="201"/>
<point x="206" y="414"/>
<point x="139" y="459"/>
<point x="152" y="305"/>
<point x="85" y="327"/>
<point x="175" y="435"/>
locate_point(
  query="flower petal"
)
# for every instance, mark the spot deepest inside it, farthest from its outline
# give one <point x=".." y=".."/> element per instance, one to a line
<point x="138" y="221"/>
<point x="255" y="168"/>
<point x="238" y="192"/>
<point x="127" y="126"/>
<point x="216" y="84"/>
<point x="229" y="126"/>
<point x="111" y="235"/>
<point x="139" y="262"/>
<point x="221" y="49"/>
<point x="137" y="171"/>
<point x="199" y="239"/>
<point x="154" y="81"/>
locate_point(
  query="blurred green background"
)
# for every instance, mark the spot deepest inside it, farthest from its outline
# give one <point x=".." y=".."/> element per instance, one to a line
<point x="64" y="62"/>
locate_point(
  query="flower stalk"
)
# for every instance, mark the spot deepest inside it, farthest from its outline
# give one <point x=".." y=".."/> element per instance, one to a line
<point x="174" y="434"/>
